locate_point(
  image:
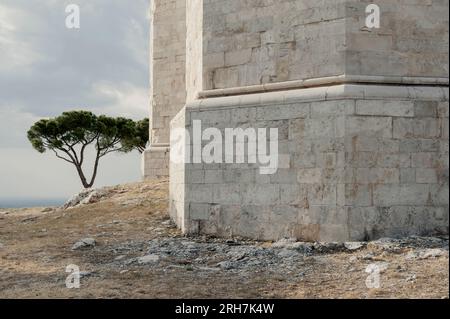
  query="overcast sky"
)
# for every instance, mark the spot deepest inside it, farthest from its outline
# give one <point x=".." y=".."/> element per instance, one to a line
<point x="46" y="69"/>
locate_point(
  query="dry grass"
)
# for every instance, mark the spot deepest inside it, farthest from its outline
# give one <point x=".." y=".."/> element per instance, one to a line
<point x="35" y="249"/>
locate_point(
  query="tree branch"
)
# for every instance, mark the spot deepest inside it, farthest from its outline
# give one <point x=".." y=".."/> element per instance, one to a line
<point x="62" y="157"/>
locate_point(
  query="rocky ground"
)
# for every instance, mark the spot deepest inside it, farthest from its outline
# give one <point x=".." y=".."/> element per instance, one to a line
<point x="126" y="247"/>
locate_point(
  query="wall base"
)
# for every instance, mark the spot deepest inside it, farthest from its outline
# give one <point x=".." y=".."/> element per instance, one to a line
<point x="356" y="162"/>
<point x="155" y="162"/>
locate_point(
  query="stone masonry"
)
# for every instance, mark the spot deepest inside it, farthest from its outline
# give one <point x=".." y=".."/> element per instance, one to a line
<point x="362" y="115"/>
<point x="167" y="79"/>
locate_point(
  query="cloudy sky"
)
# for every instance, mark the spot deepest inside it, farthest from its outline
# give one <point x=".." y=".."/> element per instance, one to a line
<point x="46" y="69"/>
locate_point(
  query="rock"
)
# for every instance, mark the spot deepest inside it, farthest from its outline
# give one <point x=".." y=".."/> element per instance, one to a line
<point x="169" y="224"/>
<point x="84" y="243"/>
<point x="149" y="259"/>
<point x="1" y="245"/>
<point x="124" y="271"/>
<point x="368" y="256"/>
<point x="209" y="269"/>
<point x="292" y="243"/>
<point x="226" y="265"/>
<point x="284" y="242"/>
<point x="411" y="278"/>
<point x="29" y="219"/>
<point x="386" y="244"/>
<point x="94" y="196"/>
<point x="287" y="253"/>
<point x="86" y="196"/>
<point x="433" y="253"/>
<point x="119" y="257"/>
<point x="354" y="245"/>
<point x="47" y="210"/>
<point x="76" y="199"/>
<point x="426" y="254"/>
<point x="379" y="267"/>
<point x="84" y="274"/>
<point x="328" y="247"/>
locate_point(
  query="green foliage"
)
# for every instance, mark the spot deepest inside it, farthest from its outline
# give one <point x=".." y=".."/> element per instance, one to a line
<point x="140" y="136"/>
<point x="69" y="134"/>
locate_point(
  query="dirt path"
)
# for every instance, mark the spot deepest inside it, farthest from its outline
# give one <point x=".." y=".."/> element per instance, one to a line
<point x="131" y="222"/>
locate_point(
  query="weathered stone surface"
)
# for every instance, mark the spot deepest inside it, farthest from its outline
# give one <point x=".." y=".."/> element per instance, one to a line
<point x="349" y="176"/>
<point x="148" y="259"/>
<point x="84" y="243"/>
<point x="356" y="161"/>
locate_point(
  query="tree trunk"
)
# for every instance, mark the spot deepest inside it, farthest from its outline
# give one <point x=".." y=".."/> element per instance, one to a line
<point x="94" y="173"/>
<point x="82" y="177"/>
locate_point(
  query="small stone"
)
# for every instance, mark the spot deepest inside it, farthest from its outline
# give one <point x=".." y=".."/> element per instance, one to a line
<point x="379" y="267"/>
<point x="209" y="269"/>
<point x="354" y="245"/>
<point x="119" y="257"/>
<point x="84" y="243"/>
<point x="411" y="278"/>
<point x="282" y="243"/>
<point x="226" y="265"/>
<point x="167" y="222"/>
<point x="149" y="259"/>
<point x="369" y="256"/>
<point x="124" y="271"/>
<point x="29" y="219"/>
<point x="84" y="274"/>
<point x="47" y="210"/>
<point x="412" y="255"/>
<point x="432" y="253"/>
<point x="328" y="247"/>
<point x="232" y="242"/>
<point x="287" y="253"/>
<point x="426" y="254"/>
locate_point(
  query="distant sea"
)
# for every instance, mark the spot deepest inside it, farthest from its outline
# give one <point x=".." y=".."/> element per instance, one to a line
<point x="25" y="203"/>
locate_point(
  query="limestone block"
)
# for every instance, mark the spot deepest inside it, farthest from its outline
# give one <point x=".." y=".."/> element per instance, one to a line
<point x="369" y="126"/>
<point x="226" y="194"/>
<point x="385" y="108"/>
<point x="391" y="195"/>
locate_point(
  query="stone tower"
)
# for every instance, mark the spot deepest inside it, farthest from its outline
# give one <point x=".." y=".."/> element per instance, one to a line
<point x="361" y="112"/>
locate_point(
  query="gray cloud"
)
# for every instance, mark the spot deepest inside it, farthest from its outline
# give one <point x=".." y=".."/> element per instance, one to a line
<point x="65" y="65"/>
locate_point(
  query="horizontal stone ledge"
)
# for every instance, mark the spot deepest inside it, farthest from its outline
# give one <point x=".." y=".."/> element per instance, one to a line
<point x="163" y="147"/>
<point x="332" y="80"/>
<point x="326" y="93"/>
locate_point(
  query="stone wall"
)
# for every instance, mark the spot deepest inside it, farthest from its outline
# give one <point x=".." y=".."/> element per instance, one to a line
<point x="168" y="63"/>
<point x="412" y="40"/>
<point x="355" y="162"/>
<point x="257" y="42"/>
<point x="363" y="147"/>
<point x="179" y="209"/>
<point x="167" y="81"/>
<point x="202" y="48"/>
